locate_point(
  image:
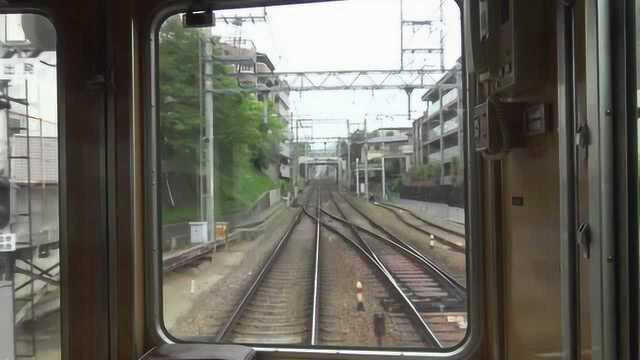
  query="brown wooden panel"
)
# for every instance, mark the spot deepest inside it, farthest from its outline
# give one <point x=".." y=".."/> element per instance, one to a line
<point x="83" y="196"/>
<point x="120" y="164"/>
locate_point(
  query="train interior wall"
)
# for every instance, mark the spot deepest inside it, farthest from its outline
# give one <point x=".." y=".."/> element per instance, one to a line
<point x="525" y="310"/>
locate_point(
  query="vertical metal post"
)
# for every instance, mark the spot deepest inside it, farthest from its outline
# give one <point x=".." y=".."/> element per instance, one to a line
<point x="296" y="165"/>
<point x="442" y="27"/>
<point x="29" y="214"/>
<point x="441" y="115"/>
<point x="409" y="91"/>
<point x="43" y="198"/>
<point x="8" y="132"/>
<point x="338" y="171"/>
<point x="291" y="155"/>
<point x="209" y="134"/>
<point x="7" y="296"/>
<point x="200" y="188"/>
<point x="357" y="177"/>
<point x="384" y="190"/>
<point x="401" y="36"/>
<point x="348" y="155"/>
<point x="366" y="160"/>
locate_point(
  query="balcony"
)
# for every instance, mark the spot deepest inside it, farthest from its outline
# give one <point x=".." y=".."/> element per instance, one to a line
<point x="449" y="98"/>
<point x="451" y="125"/>
<point x="450" y="153"/>
<point x="434" y="133"/>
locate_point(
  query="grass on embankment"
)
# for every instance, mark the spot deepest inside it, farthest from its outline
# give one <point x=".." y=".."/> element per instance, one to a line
<point x="242" y="191"/>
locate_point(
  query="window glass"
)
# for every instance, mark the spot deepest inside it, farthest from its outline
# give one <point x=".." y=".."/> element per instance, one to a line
<point x="29" y="231"/>
<point x="299" y="205"/>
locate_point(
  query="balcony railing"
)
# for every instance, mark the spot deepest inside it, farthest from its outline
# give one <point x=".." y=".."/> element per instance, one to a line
<point x="450" y="153"/>
<point x="451" y="125"/>
<point x="434" y="133"/>
<point x="450" y="97"/>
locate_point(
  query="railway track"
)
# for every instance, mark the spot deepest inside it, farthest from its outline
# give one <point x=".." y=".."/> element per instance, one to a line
<point x="452" y="239"/>
<point x="436" y="295"/>
<point x="406" y="330"/>
<point x="273" y="310"/>
<point x="301" y="294"/>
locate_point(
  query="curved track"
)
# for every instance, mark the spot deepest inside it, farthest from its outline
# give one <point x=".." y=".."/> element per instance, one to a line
<point x="447" y="237"/>
<point x="437" y="296"/>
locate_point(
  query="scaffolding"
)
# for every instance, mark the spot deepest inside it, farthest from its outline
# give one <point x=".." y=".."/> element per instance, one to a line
<point x="32" y="170"/>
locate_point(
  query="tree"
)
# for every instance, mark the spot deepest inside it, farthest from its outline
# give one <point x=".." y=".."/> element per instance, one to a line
<point x="241" y="135"/>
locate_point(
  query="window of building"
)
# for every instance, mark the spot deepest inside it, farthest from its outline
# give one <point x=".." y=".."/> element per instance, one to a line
<point x="29" y="188"/>
<point x="256" y="244"/>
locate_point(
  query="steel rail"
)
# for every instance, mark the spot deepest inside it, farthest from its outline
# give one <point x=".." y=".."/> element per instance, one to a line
<point x="451" y="282"/>
<point x="393" y="209"/>
<point x="430" y="334"/>
<point x="315" y="321"/>
<point x="258" y="280"/>
<point x="446" y="279"/>
<point x="426" y="333"/>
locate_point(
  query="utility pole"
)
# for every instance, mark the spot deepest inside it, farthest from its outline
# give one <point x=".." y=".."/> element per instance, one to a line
<point x="338" y="171"/>
<point x="291" y="157"/>
<point x="384" y="190"/>
<point x="209" y="134"/>
<point x="366" y="160"/>
<point x="348" y="155"/>
<point x="297" y="160"/>
<point x="357" y="177"/>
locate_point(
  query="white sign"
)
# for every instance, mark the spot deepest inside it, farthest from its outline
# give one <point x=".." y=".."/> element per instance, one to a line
<point x="285" y="171"/>
<point x="18" y="68"/>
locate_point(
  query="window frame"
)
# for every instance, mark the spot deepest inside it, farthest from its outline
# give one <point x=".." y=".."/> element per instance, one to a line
<point x="154" y="327"/>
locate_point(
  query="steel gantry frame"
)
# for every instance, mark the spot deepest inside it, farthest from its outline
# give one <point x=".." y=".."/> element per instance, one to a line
<point x="342" y="80"/>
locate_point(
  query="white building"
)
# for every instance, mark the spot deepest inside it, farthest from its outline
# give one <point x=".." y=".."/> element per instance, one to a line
<point x="394" y="144"/>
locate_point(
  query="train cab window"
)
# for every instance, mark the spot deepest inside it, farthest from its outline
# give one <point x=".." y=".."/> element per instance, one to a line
<point x="295" y="203"/>
<point x="29" y="188"/>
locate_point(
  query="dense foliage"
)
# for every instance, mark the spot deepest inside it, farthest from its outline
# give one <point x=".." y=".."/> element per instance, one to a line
<point x="244" y="144"/>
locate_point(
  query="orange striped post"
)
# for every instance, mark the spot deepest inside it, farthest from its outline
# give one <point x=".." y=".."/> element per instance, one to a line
<point x="360" y="296"/>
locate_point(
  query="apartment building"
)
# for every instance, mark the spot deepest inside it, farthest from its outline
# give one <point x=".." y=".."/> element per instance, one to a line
<point x="248" y="63"/>
<point x="438" y="133"/>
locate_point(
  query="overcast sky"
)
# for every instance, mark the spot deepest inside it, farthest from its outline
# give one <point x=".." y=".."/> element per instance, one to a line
<point x="349" y="35"/>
